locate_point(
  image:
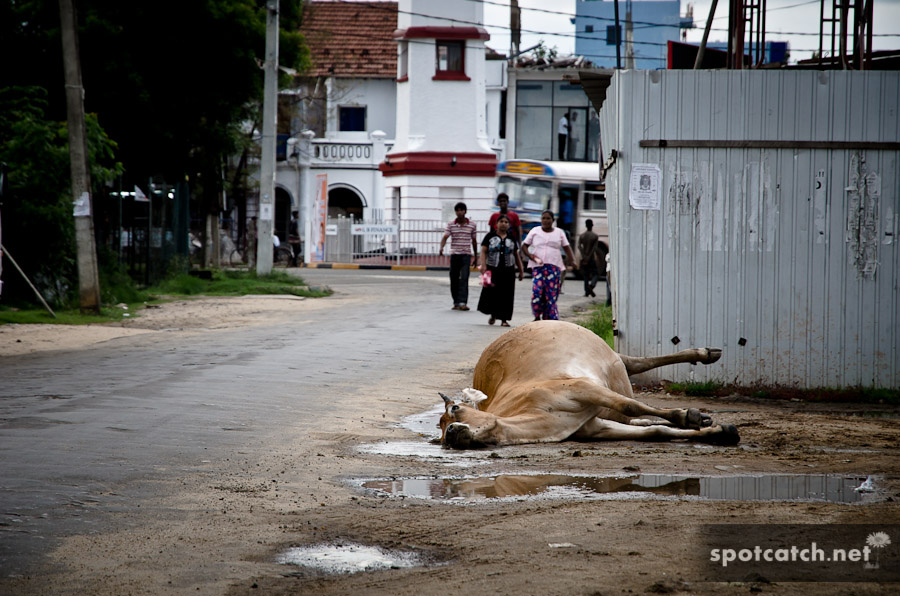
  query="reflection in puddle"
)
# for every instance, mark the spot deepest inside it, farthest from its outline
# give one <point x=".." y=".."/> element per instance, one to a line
<point x="346" y="558"/>
<point x="825" y="488"/>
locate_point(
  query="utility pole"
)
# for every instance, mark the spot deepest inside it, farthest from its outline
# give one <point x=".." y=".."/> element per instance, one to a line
<point x="267" y="165"/>
<point x="698" y="62"/>
<point x="88" y="278"/>
<point x="618" y="38"/>
<point x="515" y="28"/>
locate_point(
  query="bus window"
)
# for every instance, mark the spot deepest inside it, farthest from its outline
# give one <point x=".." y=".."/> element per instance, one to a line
<point x="594" y="196"/>
<point x="536" y="194"/>
<point x="512" y="186"/>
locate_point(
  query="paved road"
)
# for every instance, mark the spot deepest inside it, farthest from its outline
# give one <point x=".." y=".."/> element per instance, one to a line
<point x="85" y="433"/>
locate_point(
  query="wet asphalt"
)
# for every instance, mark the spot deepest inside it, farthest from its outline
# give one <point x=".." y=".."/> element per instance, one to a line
<point x="90" y="432"/>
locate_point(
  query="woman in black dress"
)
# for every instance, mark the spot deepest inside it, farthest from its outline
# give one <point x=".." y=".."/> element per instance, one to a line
<point x="500" y="256"/>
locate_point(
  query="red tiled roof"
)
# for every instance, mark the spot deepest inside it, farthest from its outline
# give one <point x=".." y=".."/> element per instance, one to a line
<point x="351" y="39"/>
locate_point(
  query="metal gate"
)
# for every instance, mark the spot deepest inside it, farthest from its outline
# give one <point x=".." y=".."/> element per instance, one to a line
<point x="377" y="241"/>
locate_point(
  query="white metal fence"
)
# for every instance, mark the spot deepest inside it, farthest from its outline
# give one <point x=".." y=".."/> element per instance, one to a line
<point x="381" y="242"/>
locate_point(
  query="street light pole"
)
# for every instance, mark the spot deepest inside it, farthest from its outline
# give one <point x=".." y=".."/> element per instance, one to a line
<point x="267" y="165"/>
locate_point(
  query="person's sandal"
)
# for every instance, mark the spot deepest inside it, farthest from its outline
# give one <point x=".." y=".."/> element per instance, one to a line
<point x="504" y="324"/>
<point x="491" y="321"/>
<point x="463" y="307"/>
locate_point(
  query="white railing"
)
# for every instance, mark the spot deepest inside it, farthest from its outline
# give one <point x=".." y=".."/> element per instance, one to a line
<point x="344" y="153"/>
<point x="413" y="242"/>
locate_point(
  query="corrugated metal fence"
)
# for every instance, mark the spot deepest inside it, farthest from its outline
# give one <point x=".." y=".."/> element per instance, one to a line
<point x="775" y="234"/>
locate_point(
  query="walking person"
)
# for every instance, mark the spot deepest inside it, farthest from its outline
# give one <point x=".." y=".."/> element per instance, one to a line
<point x="588" y="247"/>
<point x="461" y="232"/>
<point x="294" y="238"/>
<point x="515" y="225"/>
<point x="500" y="257"/>
<point x="543" y="248"/>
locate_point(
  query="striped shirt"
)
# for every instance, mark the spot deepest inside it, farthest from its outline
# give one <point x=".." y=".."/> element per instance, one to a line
<point x="461" y="237"/>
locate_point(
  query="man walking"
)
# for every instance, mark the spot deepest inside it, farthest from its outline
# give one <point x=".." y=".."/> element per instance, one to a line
<point x="515" y="226"/>
<point x="588" y="244"/>
<point x="463" y="245"/>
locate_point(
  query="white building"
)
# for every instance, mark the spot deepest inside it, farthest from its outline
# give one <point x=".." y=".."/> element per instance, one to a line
<point x="404" y="135"/>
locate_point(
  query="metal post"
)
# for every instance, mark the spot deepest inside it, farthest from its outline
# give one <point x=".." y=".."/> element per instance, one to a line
<point x="267" y="164"/>
<point x="709" y="19"/>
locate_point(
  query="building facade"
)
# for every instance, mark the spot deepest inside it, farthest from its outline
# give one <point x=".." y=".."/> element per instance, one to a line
<point x="643" y="32"/>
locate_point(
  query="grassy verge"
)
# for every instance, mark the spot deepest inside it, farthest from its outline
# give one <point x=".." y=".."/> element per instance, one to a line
<point x="221" y="283"/>
<point x="860" y="395"/>
<point x="599" y="320"/>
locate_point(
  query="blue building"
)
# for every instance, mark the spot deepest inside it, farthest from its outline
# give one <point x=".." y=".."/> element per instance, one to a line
<point x="645" y="28"/>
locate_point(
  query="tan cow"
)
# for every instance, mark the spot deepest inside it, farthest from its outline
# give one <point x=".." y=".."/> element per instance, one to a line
<point x="554" y="381"/>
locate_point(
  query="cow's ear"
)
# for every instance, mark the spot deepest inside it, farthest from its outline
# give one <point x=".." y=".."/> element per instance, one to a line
<point x="473" y="396"/>
<point x="447" y="400"/>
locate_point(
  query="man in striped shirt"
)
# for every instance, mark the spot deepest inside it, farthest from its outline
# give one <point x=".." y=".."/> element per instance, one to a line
<point x="463" y="245"/>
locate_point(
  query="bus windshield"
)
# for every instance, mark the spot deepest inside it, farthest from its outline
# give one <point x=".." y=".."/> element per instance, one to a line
<point x="529" y="194"/>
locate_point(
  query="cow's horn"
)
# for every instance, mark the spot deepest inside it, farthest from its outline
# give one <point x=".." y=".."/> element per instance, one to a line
<point x="446" y="399"/>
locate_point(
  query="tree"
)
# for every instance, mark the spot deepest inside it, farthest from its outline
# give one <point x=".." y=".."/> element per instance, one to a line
<point x="38" y="226"/>
<point x="171" y="82"/>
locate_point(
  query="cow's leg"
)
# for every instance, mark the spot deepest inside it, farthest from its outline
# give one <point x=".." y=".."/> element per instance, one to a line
<point x="637" y="364"/>
<point x="607" y="430"/>
<point x="614" y="406"/>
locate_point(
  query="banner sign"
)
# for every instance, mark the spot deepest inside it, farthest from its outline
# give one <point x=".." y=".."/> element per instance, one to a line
<point x="373" y="229"/>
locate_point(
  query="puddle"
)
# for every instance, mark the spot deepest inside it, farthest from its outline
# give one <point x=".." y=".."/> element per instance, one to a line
<point x="821" y="488"/>
<point x="425" y="425"/>
<point x="347" y="558"/>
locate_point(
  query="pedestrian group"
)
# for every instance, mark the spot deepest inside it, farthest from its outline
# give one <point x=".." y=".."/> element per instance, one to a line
<point x="546" y="248"/>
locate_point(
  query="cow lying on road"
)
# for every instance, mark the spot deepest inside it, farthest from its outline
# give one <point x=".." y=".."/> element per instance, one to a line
<point x="553" y="381"/>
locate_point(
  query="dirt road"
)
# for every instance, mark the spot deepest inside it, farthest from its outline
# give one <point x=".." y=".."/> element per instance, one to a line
<point x="220" y="528"/>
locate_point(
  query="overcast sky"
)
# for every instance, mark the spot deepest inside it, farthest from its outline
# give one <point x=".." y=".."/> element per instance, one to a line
<point x="785" y="21"/>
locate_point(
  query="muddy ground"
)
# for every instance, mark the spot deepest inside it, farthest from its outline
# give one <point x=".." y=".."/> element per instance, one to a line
<point x="222" y="529"/>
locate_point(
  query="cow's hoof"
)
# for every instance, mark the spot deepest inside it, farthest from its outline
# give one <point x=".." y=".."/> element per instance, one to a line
<point x="727" y="436"/>
<point x="712" y="354"/>
<point x="696" y="419"/>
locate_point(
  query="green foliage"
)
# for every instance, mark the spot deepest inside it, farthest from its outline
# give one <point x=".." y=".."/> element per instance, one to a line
<point x="599" y="320"/>
<point x="696" y="389"/>
<point x="38" y="226"/>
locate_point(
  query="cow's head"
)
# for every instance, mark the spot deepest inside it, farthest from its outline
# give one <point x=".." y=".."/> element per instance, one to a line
<point x="463" y="425"/>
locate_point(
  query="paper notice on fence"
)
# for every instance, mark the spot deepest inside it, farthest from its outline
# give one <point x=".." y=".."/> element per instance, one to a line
<point x="644" y="186"/>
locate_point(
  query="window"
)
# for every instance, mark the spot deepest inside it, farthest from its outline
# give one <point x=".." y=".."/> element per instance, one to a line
<point x="402" y="61"/>
<point x="588" y="28"/>
<point x="613" y="34"/>
<point x="450" y="61"/>
<point x="594" y="196"/>
<point x="351" y="118"/>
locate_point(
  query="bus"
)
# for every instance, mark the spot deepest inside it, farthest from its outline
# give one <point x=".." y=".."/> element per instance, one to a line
<point x="572" y="190"/>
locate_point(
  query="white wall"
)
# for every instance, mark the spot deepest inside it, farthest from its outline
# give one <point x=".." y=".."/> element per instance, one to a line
<point x="379" y="96"/>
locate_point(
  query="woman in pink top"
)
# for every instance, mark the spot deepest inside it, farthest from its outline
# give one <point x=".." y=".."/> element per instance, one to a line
<point x="543" y="248"/>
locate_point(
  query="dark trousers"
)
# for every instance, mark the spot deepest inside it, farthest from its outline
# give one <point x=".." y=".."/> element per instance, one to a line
<point x="563" y="140"/>
<point x="459" y="278"/>
<point x="591" y="275"/>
